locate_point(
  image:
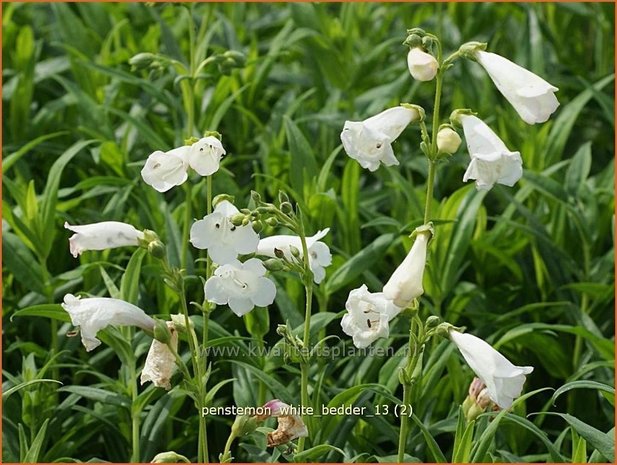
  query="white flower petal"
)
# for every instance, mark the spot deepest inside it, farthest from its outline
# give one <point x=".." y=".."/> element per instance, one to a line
<point x="422" y="66"/>
<point x="369" y="141"/>
<point x="368" y="316"/>
<point x="101" y="236"/>
<point x="405" y="284"/>
<point x="164" y="170"/>
<point x="240" y="305"/>
<point x="265" y="292"/>
<point x="96" y="313"/>
<point x="531" y="96"/>
<point x="503" y="380"/>
<point x="205" y="155"/>
<point x="491" y="161"/>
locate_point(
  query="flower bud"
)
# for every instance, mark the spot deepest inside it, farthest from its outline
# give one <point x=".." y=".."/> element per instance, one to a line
<point x="278" y="253"/>
<point x="272" y="264"/>
<point x="237" y="219"/>
<point x="243" y="425"/>
<point x="142" y="60"/>
<point x="161" y="331"/>
<point x="448" y="140"/>
<point x="170" y="457"/>
<point x="422" y="66"/>
<point x="432" y="321"/>
<point x="295" y="251"/>
<point x="179" y="321"/>
<point x="272" y="221"/>
<point x="283" y="197"/>
<point x="286" y="208"/>
<point x="238" y="58"/>
<point x="219" y="198"/>
<point x="256" y="197"/>
<point x="246" y="221"/>
<point x="257" y="226"/>
<point x="156" y="249"/>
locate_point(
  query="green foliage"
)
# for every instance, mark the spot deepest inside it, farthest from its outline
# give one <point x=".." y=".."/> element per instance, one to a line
<point x="530" y="268"/>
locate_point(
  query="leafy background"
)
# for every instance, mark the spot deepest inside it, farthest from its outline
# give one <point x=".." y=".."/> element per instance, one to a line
<point x="529" y="268"/>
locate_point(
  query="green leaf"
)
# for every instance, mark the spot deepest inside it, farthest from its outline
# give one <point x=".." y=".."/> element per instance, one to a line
<point x="53" y="311"/>
<point x="315" y="453"/>
<point x="18" y="259"/>
<point x="129" y="285"/>
<point x="8" y="392"/>
<point x="275" y="386"/>
<point x="580" y="166"/>
<point x="33" y="454"/>
<point x="50" y="193"/>
<point x="98" y="395"/>
<point x="582" y="384"/>
<point x="360" y="263"/>
<point x="10" y="160"/>
<point x="603" y="442"/>
<point x="432" y="445"/>
<point x="303" y="165"/>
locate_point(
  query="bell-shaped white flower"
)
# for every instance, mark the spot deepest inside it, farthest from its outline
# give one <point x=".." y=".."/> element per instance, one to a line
<point x="422" y="66"/>
<point x="491" y="161"/>
<point x="319" y="253"/>
<point x="160" y="361"/>
<point x="95" y="313"/>
<point x="531" y="96"/>
<point x="370" y="141"/>
<point x="101" y="236"/>
<point x="242" y="286"/>
<point x="448" y="140"/>
<point x="290" y="426"/>
<point x="367" y="316"/>
<point x="164" y="170"/>
<point x="405" y="284"/>
<point x="504" y="381"/>
<point x="205" y="155"/>
<point x="223" y="240"/>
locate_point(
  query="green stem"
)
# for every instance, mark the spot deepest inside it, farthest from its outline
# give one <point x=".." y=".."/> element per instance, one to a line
<point x="187" y="225"/>
<point x="304" y="367"/>
<point x="135" y="413"/>
<point x="430" y="182"/>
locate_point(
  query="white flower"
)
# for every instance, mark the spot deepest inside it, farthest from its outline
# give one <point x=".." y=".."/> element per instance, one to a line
<point x="241" y="286"/>
<point x="504" y="381"/>
<point x="368" y="316"/>
<point x="223" y="240"/>
<point x="290" y="426"/>
<point x="531" y="96"/>
<point x="491" y="161"/>
<point x="405" y="284"/>
<point x="448" y="140"/>
<point x="95" y="313"/>
<point x="319" y="253"/>
<point x="164" y="170"/>
<point x="101" y="236"/>
<point x="205" y="155"/>
<point x="369" y="141"/>
<point x="161" y="362"/>
<point x="422" y="66"/>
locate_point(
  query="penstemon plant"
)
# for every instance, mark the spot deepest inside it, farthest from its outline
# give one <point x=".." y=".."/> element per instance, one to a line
<point x="498" y="381"/>
<point x="241" y="259"/>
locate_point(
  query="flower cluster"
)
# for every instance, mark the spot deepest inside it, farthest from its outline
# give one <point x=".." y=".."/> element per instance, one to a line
<point x="164" y="170"/>
<point x="368" y="314"/>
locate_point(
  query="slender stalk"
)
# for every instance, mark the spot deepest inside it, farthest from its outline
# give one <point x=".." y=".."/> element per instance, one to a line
<point x="415" y="342"/>
<point x="187" y="225"/>
<point x="304" y="367"/>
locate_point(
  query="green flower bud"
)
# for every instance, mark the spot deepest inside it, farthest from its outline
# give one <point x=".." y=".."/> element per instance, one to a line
<point x="246" y="221"/>
<point x="244" y="425"/>
<point x="257" y="226"/>
<point x="279" y="253"/>
<point x="161" y="331"/>
<point x="286" y="208"/>
<point x="295" y="251"/>
<point x="432" y="321"/>
<point x="237" y="219"/>
<point x="273" y="264"/>
<point x="272" y="221"/>
<point x="170" y="457"/>
<point x="156" y="249"/>
<point x="238" y="58"/>
<point x="219" y="198"/>
<point x="142" y="60"/>
<point x="256" y="197"/>
<point x="283" y="197"/>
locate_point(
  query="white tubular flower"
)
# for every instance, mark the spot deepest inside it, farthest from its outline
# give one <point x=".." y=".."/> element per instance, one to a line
<point x="491" y="161"/>
<point x="223" y="240"/>
<point x="164" y="170"/>
<point x="96" y="313"/>
<point x="422" y="66"/>
<point x="368" y="316"/>
<point x="405" y="284"/>
<point x="369" y="141"/>
<point x="289" y="426"/>
<point x="531" y="96"/>
<point x="101" y="236"/>
<point x="319" y="253"/>
<point x="504" y="381"/>
<point x="205" y="155"/>
<point x="448" y="140"/>
<point x="241" y="286"/>
<point x="161" y="362"/>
